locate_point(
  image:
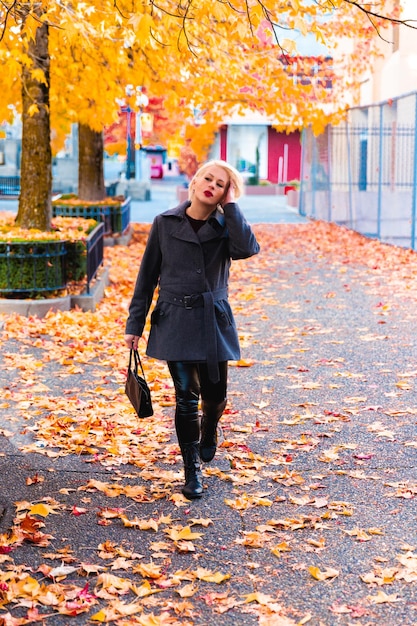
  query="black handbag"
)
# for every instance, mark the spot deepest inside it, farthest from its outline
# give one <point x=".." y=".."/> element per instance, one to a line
<point x="136" y="387"/>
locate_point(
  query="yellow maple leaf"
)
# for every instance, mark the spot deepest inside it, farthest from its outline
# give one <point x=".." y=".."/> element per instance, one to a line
<point x="42" y="509"/>
<point x="280" y="548"/>
<point x="109" y="580"/>
<point x="179" y="500"/>
<point x="260" y="598"/>
<point x="123" y="609"/>
<point x="150" y="524"/>
<point x="210" y="577"/>
<point x="187" y="591"/>
<point x="201" y="522"/>
<point x="145" y="590"/>
<point x="289" y="46"/>
<point x="261" y="405"/>
<point x="382" y="597"/>
<point x="148" y="570"/>
<point x="184" y="533"/>
<point x="318" y="574"/>
<point x="242" y="363"/>
<point x="100" y="616"/>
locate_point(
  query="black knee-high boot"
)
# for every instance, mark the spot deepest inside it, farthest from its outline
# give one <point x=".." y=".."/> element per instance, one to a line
<point x="187" y="426"/>
<point x="212" y="412"/>
<point x="193" y="487"/>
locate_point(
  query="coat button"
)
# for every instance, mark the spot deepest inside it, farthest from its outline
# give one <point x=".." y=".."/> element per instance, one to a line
<point x="198" y="271"/>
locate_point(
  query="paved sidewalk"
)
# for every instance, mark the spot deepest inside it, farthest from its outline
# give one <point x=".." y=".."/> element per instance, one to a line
<point x="257" y="209"/>
<point x="308" y="515"/>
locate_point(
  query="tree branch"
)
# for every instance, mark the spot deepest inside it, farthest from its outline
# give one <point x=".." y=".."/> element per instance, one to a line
<point x="4" y="20"/>
<point x="369" y="13"/>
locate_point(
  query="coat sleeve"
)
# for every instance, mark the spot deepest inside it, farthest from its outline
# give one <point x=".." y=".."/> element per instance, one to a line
<point x="242" y="241"/>
<point x="146" y="283"/>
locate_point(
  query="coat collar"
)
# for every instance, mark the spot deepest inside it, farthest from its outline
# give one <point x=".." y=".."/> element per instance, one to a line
<point x="177" y="211"/>
<point x="210" y="230"/>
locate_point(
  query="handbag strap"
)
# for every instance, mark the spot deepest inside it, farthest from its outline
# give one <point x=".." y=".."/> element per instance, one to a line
<point x="137" y="360"/>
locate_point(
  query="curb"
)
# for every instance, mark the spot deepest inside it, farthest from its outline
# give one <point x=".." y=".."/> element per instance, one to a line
<point x="122" y="239"/>
<point x="88" y="301"/>
<point x="84" y="301"/>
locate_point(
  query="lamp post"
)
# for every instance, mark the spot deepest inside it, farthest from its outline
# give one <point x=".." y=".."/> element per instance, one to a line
<point x="134" y="154"/>
<point x="142" y="101"/>
<point x="129" y="92"/>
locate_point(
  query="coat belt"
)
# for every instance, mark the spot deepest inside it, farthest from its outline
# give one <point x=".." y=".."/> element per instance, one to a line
<point x="206" y="300"/>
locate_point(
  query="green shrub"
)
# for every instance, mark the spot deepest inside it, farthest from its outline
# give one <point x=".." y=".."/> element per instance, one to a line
<point x="30" y="269"/>
<point x="76" y="260"/>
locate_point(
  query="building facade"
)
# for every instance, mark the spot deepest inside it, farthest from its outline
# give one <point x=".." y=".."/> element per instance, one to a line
<point x="253" y="146"/>
<point x="395" y="72"/>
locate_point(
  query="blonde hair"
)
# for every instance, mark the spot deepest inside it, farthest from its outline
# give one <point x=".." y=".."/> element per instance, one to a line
<point x="234" y="176"/>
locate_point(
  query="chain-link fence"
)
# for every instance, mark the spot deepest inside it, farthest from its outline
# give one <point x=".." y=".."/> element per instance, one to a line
<point x="363" y="172"/>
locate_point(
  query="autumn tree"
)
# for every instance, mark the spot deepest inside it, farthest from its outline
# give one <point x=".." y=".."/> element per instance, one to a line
<point x="26" y="51"/>
<point x="86" y="84"/>
<point x="235" y="58"/>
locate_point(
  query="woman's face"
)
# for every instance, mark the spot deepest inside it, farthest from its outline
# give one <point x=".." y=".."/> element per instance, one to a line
<point x="211" y="185"/>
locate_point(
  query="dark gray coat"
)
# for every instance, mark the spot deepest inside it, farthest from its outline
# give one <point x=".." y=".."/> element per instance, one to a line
<point x="184" y="263"/>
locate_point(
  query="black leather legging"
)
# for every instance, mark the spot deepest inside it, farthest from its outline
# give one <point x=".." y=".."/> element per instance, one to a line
<point x="190" y="381"/>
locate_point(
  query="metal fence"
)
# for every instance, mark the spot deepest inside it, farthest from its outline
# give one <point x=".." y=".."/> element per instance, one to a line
<point x="120" y="216"/>
<point x="9" y="186"/>
<point x="95" y="250"/>
<point x="362" y="173"/>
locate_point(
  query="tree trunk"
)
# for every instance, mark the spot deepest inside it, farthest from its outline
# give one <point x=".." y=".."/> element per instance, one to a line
<point x="90" y="164"/>
<point x="35" y="207"/>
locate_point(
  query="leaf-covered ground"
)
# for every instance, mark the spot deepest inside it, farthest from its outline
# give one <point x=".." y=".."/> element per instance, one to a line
<point x="308" y="516"/>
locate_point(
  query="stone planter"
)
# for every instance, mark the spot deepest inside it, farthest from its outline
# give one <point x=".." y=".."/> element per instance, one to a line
<point x="293" y="196"/>
<point x="32" y="268"/>
<point x="182" y="194"/>
<point x="264" y="190"/>
<point x="34" y="275"/>
<point x="42" y="306"/>
<point x="114" y="212"/>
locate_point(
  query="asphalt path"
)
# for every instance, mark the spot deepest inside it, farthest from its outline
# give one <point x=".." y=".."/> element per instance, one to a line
<point x="308" y="515"/>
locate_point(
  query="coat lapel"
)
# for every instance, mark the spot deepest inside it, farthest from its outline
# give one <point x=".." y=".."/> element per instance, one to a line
<point x="214" y="227"/>
<point x="181" y="229"/>
<point x="185" y="232"/>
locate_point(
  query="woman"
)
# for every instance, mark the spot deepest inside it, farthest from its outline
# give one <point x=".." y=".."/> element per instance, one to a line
<point x="188" y="256"/>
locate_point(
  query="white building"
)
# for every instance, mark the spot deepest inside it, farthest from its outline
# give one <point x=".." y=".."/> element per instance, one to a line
<point x="395" y="73"/>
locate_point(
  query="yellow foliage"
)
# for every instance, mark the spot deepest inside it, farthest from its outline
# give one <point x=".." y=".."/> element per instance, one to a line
<point x="223" y="61"/>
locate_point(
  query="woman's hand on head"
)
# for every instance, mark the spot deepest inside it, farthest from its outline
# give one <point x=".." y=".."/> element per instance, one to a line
<point x="229" y="195"/>
<point x="132" y="341"/>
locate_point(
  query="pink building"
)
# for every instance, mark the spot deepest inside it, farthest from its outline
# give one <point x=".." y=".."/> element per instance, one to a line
<point x="279" y="153"/>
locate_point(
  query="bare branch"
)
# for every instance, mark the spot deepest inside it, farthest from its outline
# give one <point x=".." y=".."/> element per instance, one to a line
<point x="382" y="17"/>
<point x="183" y="29"/>
<point x="158" y="41"/>
<point x="8" y="12"/>
<point x="163" y="10"/>
<point x="248" y="16"/>
<point x="116" y="6"/>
